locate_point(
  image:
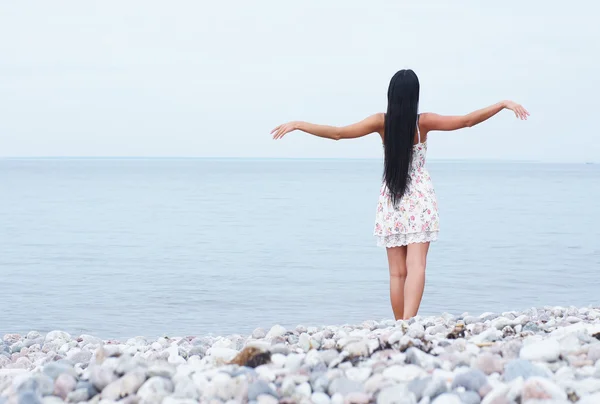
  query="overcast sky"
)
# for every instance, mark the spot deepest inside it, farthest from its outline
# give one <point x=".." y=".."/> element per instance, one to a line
<point x="199" y="78"/>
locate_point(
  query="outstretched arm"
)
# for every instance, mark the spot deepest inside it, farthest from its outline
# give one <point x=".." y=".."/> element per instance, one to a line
<point x="372" y="124"/>
<point x="430" y="121"/>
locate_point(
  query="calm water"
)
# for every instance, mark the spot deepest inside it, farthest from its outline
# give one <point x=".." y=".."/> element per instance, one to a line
<point x="119" y="248"/>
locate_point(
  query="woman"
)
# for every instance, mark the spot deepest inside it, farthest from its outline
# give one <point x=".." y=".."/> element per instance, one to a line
<point x="407" y="213"/>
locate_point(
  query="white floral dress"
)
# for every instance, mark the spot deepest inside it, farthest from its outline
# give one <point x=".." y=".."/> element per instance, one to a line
<point x="415" y="219"/>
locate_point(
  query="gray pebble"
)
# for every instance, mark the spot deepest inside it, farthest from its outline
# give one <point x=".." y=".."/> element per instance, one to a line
<point x="434" y="388"/>
<point x="469" y="397"/>
<point x="417" y="386"/>
<point x="344" y="386"/>
<point x="84" y="384"/>
<point x="64" y="384"/>
<point x="39" y="383"/>
<point x="319" y="382"/>
<point x="155" y="389"/>
<point x="522" y="368"/>
<point x="54" y="369"/>
<point x="29" y="398"/>
<point x="30" y="342"/>
<point x="259" y="333"/>
<point x="472" y="380"/>
<point x="397" y="394"/>
<point x="16" y="347"/>
<point x="78" y="395"/>
<point x="280" y="349"/>
<point x="260" y="387"/>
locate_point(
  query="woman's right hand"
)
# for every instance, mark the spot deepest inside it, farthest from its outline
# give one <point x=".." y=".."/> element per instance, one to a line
<point x="518" y="109"/>
<point x="282" y="130"/>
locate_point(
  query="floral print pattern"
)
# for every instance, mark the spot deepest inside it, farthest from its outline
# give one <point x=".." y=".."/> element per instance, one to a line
<point x="415" y="219"/>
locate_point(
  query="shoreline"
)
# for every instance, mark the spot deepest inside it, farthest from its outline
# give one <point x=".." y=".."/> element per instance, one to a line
<point x="549" y="353"/>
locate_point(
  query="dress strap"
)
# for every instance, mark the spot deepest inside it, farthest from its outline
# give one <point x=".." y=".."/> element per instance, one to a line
<point x="418" y="131"/>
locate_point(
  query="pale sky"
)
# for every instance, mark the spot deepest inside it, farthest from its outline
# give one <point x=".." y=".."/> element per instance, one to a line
<point x="211" y="79"/>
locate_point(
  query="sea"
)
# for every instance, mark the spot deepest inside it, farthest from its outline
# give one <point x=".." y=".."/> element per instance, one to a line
<point x="119" y="248"/>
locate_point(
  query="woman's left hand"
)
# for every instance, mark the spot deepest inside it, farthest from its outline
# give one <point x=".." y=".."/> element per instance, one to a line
<point x="284" y="129"/>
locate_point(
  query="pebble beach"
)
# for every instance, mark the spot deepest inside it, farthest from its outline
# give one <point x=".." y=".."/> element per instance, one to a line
<point x="542" y="355"/>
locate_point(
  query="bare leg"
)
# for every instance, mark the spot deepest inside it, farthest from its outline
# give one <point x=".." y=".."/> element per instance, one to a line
<point x="416" y="260"/>
<point x="397" y="263"/>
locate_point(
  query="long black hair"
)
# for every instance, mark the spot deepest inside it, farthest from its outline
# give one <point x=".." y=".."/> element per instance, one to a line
<point x="400" y="127"/>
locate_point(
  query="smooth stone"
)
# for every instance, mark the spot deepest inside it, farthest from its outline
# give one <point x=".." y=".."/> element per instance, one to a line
<point x="395" y="337"/>
<point x="470" y="320"/>
<point x="417" y="386"/>
<point x="288" y="387"/>
<point x="344" y="386"/>
<point x="416" y="331"/>
<point x="447" y="398"/>
<point x="497" y="395"/>
<point x="541" y="351"/>
<point x="185" y="388"/>
<point x="17" y="347"/>
<point x="469" y="397"/>
<point x="360" y="374"/>
<point x="54" y="369"/>
<point x="489" y="335"/>
<point x="294" y="361"/>
<point x="500" y="323"/>
<point x="593" y="353"/>
<point x="541" y="388"/>
<point x="319" y="382"/>
<point x="265" y="373"/>
<point x="357" y="398"/>
<point x="50" y="400"/>
<point x="126" y="385"/>
<point x="489" y="363"/>
<point x="276" y="331"/>
<point x="417" y="357"/>
<point x="312" y="359"/>
<point x="304" y="389"/>
<point x="522" y="368"/>
<point x="328" y="355"/>
<point x="64" y="384"/>
<point x="435" y="387"/>
<point x="337" y="399"/>
<point x="304" y="342"/>
<point x="29" y="398"/>
<point x="54" y="335"/>
<point x="79" y="356"/>
<point x="31" y="342"/>
<point x="320" y="398"/>
<point x="591" y="399"/>
<point x="487" y="316"/>
<point x="78" y="395"/>
<point x="358" y="348"/>
<point x="222" y="354"/>
<point x="161" y="369"/>
<point x="101" y="377"/>
<point x="38" y="383"/>
<point x="278" y="360"/>
<point x="260" y="387"/>
<point x="266" y="399"/>
<point x="511" y="349"/>
<point x="282" y="349"/>
<point x="397" y="394"/>
<point x="404" y="373"/>
<point x="155" y="389"/>
<point x="220" y="387"/>
<point x="472" y="380"/>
